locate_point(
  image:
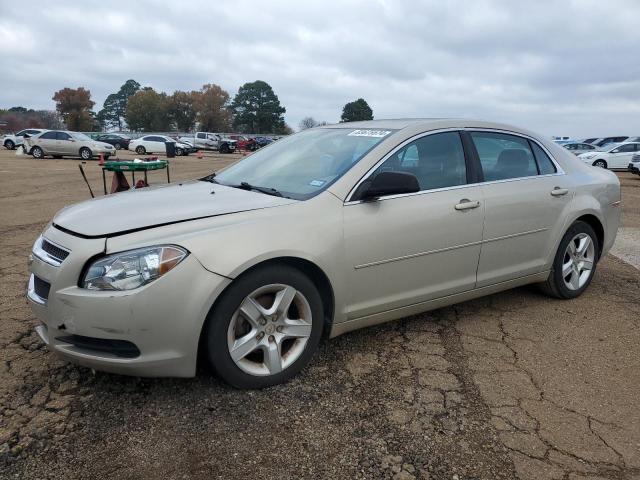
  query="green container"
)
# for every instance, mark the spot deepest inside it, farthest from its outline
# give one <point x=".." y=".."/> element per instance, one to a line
<point x="114" y="166"/>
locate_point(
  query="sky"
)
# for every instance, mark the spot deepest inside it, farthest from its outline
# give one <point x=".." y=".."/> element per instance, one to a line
<point x="564" y="67"/>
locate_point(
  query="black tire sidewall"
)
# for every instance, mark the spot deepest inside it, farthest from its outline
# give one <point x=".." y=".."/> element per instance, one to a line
<point x="9" y="145"/>
<point x="117" y="146"/>
<point x="560" y="287"/>
<point x="37" y="149"/>
<point x="140" y="150"/>
<point x="217" y="324"/>
<point x="89" y="155"/>
<point x="600" y="163"/>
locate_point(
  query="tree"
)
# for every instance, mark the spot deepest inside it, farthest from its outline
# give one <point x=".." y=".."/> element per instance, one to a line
<point x="256" y="109"/>
<point x="18" y="109"/>
<point x="307" y="122"/>
<point x="212" y="107"/>
<point x="115" y="106"/>
<point x="75" y="107"/>
<point x="182" y="111"/>
<point x="148" y="111"/>
<point x="355" y="111"/>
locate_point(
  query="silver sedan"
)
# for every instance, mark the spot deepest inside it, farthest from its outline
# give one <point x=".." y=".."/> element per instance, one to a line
<point x="323" y="232"/>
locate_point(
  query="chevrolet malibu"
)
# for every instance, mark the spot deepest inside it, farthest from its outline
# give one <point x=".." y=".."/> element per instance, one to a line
<point x="323" y="232"/>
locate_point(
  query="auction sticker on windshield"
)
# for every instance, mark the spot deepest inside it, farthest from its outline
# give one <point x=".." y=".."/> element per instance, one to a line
<point x="370" y="133"/>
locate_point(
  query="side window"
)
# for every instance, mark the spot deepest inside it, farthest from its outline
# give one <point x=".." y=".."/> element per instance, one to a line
<point x="48" y="136"/>
<point x="630" y="147"/>
<point x="201" y="135"/>
<point x="63" y="136"/>
<point x="436" y="160"/>
<point x="545" y="165"/>
<point x="504" y="156"/>
<point x="21" y="133"/>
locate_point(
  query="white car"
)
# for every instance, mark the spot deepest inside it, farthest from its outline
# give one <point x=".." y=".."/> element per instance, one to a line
<point x="157" y="144"/>
<point x="579" y="147"/>
<point x="634" y="165"/>
<point x="12" y="141"/>
<point x="613" y="156"/>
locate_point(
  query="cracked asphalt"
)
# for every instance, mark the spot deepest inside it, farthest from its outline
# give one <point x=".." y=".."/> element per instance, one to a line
<point x="515" y="385"/>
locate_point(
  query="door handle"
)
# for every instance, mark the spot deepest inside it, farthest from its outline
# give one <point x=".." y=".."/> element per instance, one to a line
<point x="558" y="192"/>
<point x="466" y="204"/>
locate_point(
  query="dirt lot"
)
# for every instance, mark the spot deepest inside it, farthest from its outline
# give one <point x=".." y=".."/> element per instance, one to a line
<point x="515" y="385"/>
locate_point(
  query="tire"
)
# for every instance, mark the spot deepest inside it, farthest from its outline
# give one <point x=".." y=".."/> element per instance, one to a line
<point x="179" y="152"/>
<point x="9" y="145"/>
<point x="140" y="150"/>
<point x="600" y="163"/>
<point x="37" y="152"/>
<point x="255" y="368"/>
<point x="224" y="148"/>
<point x="566" y="286"/>
<point x="85" y="153"/>
<point x="117" y="146"/>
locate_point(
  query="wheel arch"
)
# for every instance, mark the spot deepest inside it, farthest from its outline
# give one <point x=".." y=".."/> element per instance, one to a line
<point x="595" y="223"/>
<point x="606" y="164"/>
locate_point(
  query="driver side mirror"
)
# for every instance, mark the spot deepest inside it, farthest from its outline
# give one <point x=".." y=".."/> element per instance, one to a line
<point x="390" y="183"/>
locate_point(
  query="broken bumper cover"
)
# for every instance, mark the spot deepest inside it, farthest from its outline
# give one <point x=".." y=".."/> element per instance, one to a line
<point x="151" y="331"/>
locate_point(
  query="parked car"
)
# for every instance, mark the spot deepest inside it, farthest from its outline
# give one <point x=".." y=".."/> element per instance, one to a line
<point x="562" y="140"/>
<point x="634" y="165"/>
<point x="244" y="142"/>
<point x="578" y="148"/>
<point x="263" y="141"/>
<point x="12" y="141"/>
<point x="633" y="139"/>
<point x="616" y="156"/>
<point x="64" y="143"/>
<point x="326" y="231"/>
<point x="157" y="144"/>
<point x="210" y="141"/>
<point x="117" y="140"/>
<point x="602" y="142"/>
<point x="590" y="140"/>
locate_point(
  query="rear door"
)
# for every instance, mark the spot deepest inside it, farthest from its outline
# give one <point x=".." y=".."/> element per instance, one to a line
<point x="411" y="248"/>
<point x="48" y="142"/>
<point x="525" y="195"/>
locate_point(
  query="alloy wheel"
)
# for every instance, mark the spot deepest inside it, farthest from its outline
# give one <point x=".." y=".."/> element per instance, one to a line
<point x="270" y="330"/>
<point x="577" y="265"/>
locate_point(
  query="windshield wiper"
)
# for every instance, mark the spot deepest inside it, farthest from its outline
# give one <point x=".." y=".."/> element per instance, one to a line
<point x="209" y="178"/>
<point x="266" y="190"/>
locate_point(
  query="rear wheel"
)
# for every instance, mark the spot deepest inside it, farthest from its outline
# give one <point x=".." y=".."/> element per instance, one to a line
<point x="574" y="263"/>
<point x="600" y="163"/>
<point x="37" y="152"/>
<point x="179" y="152"/>
<point x="117" y="146"/>
<point x="140" y="150"/>
<point x="265" y="328"/>
<point x="9" y="145"/>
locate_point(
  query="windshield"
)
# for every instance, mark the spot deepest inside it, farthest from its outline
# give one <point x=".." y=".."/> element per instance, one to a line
<point x="302" y="165"/>
<point x="80" y="136"/>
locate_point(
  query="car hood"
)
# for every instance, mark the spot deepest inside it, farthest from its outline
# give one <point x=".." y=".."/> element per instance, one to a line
<point x="136" y="210"/>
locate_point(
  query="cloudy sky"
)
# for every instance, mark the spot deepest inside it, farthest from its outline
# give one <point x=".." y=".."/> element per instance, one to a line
<point x="568" y="67"/>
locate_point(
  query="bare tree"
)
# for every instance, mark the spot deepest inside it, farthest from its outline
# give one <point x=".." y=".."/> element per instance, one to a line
<point x="307" y="122"/>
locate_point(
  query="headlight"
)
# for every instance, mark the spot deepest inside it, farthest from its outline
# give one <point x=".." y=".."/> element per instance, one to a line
<point x="132" y="269"/>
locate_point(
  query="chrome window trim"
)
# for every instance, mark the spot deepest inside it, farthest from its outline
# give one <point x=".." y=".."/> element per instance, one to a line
<point x="31" y="292"/>
<point x="559" y="169"/>
<point x="44" y="256"/>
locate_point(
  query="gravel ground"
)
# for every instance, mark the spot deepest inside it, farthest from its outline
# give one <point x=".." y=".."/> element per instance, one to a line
<point x="515" y="385"/>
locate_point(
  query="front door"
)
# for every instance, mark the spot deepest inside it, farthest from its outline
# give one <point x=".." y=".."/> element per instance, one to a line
<point x="66" y="145"/>
<point x="621" y="157"/>
<point x="406" y="249"/>
<point x="525" y="194"/>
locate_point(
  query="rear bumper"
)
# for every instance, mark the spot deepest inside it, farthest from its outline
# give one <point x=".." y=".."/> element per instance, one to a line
<point x="150" y="331"/>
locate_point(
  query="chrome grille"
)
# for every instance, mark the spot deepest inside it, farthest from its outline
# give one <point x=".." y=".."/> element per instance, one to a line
<point x="54" y="251"/>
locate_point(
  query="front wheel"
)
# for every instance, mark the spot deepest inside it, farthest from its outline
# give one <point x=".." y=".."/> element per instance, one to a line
<point x="85" y="153"/>
<point x="117" y="146"/>
<point x="37" y="152"/>
<point x="574" y="263"/>
<point x="224" y="148"/>
<point x="179" y="152"/>
<point x="9" y="145"/>
<point x="600" y="163"/>
<point x="265" y="327"/>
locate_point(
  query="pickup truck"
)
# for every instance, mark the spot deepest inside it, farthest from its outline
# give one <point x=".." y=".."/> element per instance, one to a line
<point x="210" y="141"/>
<point x="12" y="141"/>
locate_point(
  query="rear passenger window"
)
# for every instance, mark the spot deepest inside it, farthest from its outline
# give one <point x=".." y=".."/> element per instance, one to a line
<point x="436" y="160"/>
<point x="545" y="165"/>
<point x="504" y="156"/>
